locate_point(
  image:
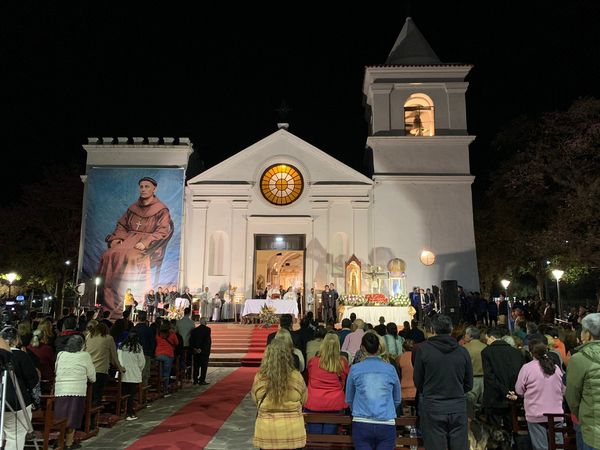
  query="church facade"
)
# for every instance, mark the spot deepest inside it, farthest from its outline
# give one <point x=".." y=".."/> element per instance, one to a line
<point x="283" y="212"/>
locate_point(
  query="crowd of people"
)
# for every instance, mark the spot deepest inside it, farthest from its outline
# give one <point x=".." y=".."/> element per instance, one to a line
<point x="164" y="300"/>
<point x="61" y="357"/>
<point x="458" y="379"/>
<point x="454" y="377"/>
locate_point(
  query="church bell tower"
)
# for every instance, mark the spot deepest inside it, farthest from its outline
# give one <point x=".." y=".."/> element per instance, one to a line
<point x="419" y="143"/>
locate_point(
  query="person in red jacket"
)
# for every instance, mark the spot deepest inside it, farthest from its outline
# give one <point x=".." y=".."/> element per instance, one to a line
<point x="166" y="341"/>
<point x="327" y="373"/>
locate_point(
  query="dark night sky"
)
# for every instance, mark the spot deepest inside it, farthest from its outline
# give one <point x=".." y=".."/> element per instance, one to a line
<point x="217" y="73"/>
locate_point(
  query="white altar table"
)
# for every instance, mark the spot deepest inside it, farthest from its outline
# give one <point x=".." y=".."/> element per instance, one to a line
<point x="253" y="305"/>
<point x="371" y="314"/>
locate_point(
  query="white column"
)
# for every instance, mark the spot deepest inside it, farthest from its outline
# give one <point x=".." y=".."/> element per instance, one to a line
<point x="239" y="250"/>
<point x="195" y="242"/>
<point x="317" y="248"/>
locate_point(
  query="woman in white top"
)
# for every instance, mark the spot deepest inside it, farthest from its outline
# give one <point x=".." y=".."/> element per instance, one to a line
<point x="131" y="357"/>
<point x="74" y="368"/>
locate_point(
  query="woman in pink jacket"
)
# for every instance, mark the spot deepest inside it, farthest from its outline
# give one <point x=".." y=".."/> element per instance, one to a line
<point x="540" y="383"/>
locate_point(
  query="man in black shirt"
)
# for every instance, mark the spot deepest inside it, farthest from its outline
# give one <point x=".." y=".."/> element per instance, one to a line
<point x="443" y="374"/>
<point x="200" y="343"/>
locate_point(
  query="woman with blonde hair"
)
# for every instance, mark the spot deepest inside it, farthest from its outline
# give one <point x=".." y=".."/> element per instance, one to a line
<point x="327" y="373"/>
<point x="46" y="326"/>
<point x="279" y="393"/>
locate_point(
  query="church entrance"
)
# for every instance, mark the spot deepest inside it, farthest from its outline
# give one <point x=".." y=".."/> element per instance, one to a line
<point x="279" y="261"/>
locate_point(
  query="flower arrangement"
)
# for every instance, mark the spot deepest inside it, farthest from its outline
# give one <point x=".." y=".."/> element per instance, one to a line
<point x="376" y="299"/>
<point x="352" y="300"/>
<point x="174" y="313"/>
<point x="400" y="300"/>
<point x="268" y="316"/>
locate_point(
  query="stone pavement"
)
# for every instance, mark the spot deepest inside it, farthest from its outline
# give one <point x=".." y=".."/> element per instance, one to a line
<point x="236" y="432"/>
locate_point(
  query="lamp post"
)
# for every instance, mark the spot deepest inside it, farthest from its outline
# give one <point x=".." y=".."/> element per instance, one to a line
<point x="97" y="281"/>
<point x="11" y="277"/>
<point x="505" y="283"/>
<point x="557" y="273"/>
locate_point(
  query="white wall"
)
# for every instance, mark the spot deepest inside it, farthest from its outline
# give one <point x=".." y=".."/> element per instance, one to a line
<point x="410" y="217"/>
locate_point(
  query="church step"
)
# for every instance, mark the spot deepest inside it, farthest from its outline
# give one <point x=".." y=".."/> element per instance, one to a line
<point x="237" y="363"/>
<point x="225" y="359"/>
<point x="228" y="350"/>
<point x="231" y="339"/>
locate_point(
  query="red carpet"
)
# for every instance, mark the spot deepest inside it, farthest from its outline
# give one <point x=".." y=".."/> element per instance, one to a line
<point x="258" y="343"/>
<point x="194" y="425"/>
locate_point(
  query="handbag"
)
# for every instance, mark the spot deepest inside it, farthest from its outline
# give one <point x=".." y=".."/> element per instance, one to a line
<point x="261" y="401"/>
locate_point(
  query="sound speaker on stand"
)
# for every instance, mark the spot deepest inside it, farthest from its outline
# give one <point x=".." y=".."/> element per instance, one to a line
<point x="449" y="300"/>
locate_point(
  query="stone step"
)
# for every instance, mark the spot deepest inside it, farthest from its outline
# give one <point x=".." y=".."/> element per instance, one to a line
<point x="225" y="364"/>
<point x="222" y="350"/>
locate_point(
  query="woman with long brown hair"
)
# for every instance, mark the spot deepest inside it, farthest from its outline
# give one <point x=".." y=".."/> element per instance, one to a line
<point x="279" y="392"/>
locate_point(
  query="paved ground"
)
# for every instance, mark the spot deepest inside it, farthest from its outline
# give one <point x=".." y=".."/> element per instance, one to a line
<point x="236" y="433"/>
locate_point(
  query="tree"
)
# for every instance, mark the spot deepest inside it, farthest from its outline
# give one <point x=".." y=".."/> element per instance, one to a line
<point x="41" y="232"/>
<point x="544" y="200"/>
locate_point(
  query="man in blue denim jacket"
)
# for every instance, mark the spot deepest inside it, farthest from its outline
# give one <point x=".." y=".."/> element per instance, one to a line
<point x="373" y="394"/>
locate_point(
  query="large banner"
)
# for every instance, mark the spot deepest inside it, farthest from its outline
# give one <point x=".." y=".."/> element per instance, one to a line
<point x="132" y="231"/>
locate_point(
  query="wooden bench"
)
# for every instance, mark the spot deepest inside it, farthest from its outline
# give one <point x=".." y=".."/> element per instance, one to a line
<point x="141" y="397"/>
<point x="47" y="426"/>
<point x="567" y="431"/>
<point x="519" y="422"/>
<point x="156" y="387"/>
<point x="343" y="440"/>
<point x="91" y="417"/>
<point x="185" y="371"/>
<point x="114" y="400"/>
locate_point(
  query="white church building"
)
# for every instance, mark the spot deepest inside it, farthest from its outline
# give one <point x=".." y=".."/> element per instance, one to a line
<point x="284" y="212"/>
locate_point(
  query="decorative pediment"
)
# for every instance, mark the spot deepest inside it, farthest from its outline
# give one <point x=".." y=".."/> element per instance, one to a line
<point x="317" y="167"/>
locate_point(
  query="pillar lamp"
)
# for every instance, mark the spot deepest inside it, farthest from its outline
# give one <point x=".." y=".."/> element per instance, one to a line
<point x="97" y="282"/>
<point x="11" y="277"/>
<point x="557" y="274"/>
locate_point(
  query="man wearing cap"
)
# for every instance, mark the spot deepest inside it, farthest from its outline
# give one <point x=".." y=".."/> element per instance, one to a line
<point x="138" y="241"/>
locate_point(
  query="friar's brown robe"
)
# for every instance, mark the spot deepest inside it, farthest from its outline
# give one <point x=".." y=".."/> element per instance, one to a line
<point x="122" y="266"/>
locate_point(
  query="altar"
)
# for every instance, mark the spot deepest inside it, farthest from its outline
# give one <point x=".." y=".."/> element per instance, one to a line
<point x="371" y="314"/>
<point x="253" y="306"/>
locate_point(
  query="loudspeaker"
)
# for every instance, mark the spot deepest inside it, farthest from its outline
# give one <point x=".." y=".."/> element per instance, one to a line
<point x="449" y="296"/>
<point x="449" y="300"/>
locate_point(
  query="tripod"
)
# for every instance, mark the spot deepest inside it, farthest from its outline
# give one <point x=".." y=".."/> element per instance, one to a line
<point x="24" y="420"/>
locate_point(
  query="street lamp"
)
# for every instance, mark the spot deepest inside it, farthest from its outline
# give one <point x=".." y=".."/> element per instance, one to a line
<point x="505" y="284"/>
<point x="557" y="273"/>
<point x="10" y="277"/>
<point x="97" y="281"/>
